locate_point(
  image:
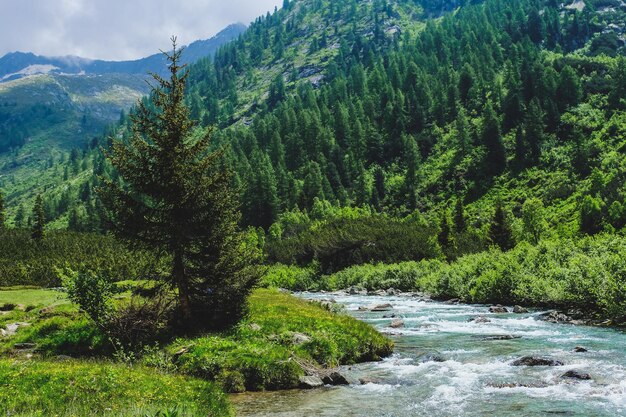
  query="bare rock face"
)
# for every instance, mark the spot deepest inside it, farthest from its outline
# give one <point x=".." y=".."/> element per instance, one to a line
<point x="536" y="361"/>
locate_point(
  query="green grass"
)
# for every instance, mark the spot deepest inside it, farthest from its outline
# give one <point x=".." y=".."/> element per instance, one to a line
<point x="69" y="388"/>
<point x="261" y="353"/>
<point x="29" y="297"/>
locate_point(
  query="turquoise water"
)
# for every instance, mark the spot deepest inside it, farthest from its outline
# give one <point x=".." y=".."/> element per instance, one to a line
<point x="473" y="376"/>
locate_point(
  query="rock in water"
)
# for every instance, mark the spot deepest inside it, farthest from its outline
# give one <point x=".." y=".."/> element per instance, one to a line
<point x="519" y="310"/>
<point x="335" y="378"/>
<point x="535" y="361"/>
<point x="309" y="382"/>
<point x="580" y="349"/>
<point x="380" y="307"/>
<point x="498" y="309"/>
<point x="480" y="319"/>
<point x="576" y="375"/>
<point x="501" y="337"/>
<point x="397" y="324"/>
<point x="555" y="317"/>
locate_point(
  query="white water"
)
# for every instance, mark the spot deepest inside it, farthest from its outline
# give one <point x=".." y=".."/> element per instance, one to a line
<point x="475" y="378"/>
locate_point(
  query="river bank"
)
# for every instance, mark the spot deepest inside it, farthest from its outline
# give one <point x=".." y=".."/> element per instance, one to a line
<point x="459" y="360"/>
<point x="284" y="343"/>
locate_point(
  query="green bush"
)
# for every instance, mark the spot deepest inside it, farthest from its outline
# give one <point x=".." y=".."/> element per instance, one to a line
<point x="588" y="273"/>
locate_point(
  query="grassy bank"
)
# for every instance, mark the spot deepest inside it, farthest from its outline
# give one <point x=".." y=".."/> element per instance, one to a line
<point x="281" y="337"/>
<point x="69" y="388"/>
<point x="588" y="274"/>
<point x="268" y="349"/>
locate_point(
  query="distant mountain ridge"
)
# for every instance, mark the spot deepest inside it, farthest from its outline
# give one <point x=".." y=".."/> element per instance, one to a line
<point x="16" y="65"/>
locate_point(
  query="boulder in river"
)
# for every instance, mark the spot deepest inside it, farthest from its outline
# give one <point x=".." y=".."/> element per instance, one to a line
<point x="555" y="317"/>
<point x="396" y="324"/>
<point x="573" y="374"/>
<point x="501" y="337"/>
<point x="536" y="361"/>
<point x="480" y="319"/>
<point x="368" y="380"/>
<point x="309" y="382"/>
<point x="580" y="349"/>
<point x="335" y="378"/>
<point x="380" y="307"/>
<point x="453" y="301"/>
<point x="432" y="357"/>
<point x="520" y="310"/>
<point x="498" y="309"/>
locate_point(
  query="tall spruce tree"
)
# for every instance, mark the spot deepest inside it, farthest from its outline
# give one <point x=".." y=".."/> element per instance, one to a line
<point x="174" y="196"/>
<point x="39" y="217"/>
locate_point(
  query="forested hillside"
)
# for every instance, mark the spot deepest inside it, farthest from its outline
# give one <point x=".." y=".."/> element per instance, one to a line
<point x="459" y="124"/>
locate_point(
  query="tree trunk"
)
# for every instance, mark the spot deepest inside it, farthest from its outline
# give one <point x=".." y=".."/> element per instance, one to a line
<point x="183" y="286"/>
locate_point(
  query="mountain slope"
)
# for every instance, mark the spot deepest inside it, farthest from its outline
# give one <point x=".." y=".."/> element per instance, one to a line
<point x="17" y="65"/>
<point x="390" y="106"/>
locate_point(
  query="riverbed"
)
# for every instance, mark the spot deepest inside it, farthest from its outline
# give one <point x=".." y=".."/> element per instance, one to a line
<point x="446" y="365"/>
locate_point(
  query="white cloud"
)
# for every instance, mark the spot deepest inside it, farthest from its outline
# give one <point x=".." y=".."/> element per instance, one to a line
<point x="117" y="29"/>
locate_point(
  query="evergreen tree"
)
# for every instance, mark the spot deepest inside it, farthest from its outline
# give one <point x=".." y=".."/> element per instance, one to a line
<point x="535" y="130"/>
<point x="459" y="216"/>
<point x="500" y="233"/>
<point x="495" y="161"/>
<point x="2" y="213"/>
<point x="445" y="234"/>
<point x="175" y="197"/>
<point x="39" y="218"/>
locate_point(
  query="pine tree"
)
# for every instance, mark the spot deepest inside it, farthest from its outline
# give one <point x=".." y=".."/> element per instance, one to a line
<point x="500" y="233"/>
<point x="2" y="213"/>
<point x="175" y="197"/>
<point x="459" y="216"/>
<point x="445" y="234"/>
<point x="39" y="217"/>
<point x="535" y="130"/>
<point x="495" y="162"/>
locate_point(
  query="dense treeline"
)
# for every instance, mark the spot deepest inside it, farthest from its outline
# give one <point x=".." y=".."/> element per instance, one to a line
<point x="25" y="261"/>
<point x="483" y="124"/>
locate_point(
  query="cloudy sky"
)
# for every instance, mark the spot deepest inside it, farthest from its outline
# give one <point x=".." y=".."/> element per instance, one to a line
<point x="116" y="29"/>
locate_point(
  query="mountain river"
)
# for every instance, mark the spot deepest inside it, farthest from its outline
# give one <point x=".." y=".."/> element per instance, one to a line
<point x="446" y="365"/>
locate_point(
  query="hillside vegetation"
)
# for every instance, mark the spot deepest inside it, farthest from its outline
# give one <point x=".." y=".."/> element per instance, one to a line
<point x="406" y="130"/>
